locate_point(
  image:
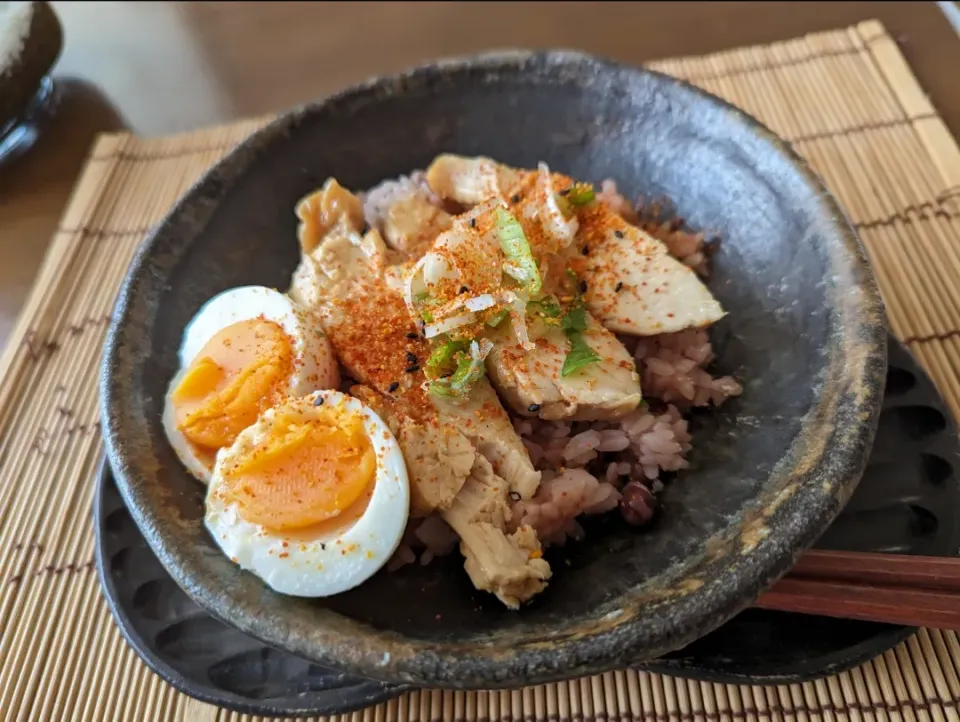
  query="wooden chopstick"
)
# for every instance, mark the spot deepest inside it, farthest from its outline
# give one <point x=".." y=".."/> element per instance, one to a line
<point x="893" y="588"/>
<point x="903" y="570"/>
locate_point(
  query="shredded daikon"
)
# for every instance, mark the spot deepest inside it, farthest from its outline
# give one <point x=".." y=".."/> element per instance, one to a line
<point x="479" y="303"/>
<point x="519" y="318"/>
<point x="479" y="210"/>
<point x="483" y="349"/>
<point x="553" y="220"/>
<point x="408" y="291"/>
<point x="448" y="324"/>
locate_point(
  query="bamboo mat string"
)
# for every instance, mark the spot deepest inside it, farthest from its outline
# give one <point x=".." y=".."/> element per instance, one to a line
<point x="845" y="99"/>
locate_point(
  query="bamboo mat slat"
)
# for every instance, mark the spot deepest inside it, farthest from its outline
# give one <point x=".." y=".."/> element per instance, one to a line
<point x="847" y="101"/>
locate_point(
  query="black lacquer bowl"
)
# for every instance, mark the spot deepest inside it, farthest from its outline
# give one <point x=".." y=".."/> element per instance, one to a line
<point x="805" y="334"/>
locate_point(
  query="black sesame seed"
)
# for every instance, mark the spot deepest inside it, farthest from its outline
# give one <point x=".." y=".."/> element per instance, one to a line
<point x="618" y="234"/>
<point x="533" y="408"/>
<point x="619" y="286"/>
<point x="413" y="335"/>
<point x="583" y="286"/>
<point x="564" y="191"/>
<point x="473" y="222"/>
<point x="411" y="358"/>
<point x="393" y="387"/>
<point x="323" y="546"/>
<point x="516" y="198"/>
<point x="514" y="496"/>
<point x="412" y="369"/>
<point x="586" y="250"/>
<point x="318" y="401"/>
<point x="464" y="289"/>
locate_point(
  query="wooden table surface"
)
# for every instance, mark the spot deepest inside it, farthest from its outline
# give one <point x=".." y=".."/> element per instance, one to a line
<point x="162" y="67"/>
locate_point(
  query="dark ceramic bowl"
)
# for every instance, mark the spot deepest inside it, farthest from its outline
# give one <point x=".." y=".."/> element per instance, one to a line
<point x="770" y="470"/>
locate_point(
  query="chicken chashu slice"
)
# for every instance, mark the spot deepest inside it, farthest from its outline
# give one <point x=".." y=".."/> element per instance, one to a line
<point x="406" y="215"/>
<point x="438" y="459"/>
<point x="634" y="285"/>
<point x="508" y="565"/>
<point x="346" y="279"/>
<point x="529" y="378"/>
<point x="532" y="382"/>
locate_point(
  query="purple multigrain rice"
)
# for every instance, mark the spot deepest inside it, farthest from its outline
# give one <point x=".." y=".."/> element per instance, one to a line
<point x="640" y="446"/>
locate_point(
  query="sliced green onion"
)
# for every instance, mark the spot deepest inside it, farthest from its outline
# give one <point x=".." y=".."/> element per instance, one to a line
<point x="497" y="318"/>
<point x="427" y="316"/>
<point x="564" y="205"/>
<point x="443" y="354"/>
<point x="517" y="250"/>
<point x="579" y="355"/>
<point x="441" y="388"/>
<point x="421" y="297"/>
<point x="581" y="194"/>
<point x="469" y="371"/>
<point x="546" y="306"/>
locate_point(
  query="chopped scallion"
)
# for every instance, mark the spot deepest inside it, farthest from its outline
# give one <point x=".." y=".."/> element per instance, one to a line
<point x="469" y="371"/>
<point x="517" y="250"/>
<point x="581" y="194"/>
<point x="443" y="354"/>
<point x="497" y="318"/>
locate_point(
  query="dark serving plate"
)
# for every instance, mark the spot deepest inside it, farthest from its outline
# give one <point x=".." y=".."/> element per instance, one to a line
<point x="769" y="471"/>
<point x="907" y="503"/>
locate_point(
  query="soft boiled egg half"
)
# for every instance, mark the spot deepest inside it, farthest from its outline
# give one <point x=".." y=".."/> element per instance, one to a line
<point x="244" y="351"/>
<point x="313" y="498"/>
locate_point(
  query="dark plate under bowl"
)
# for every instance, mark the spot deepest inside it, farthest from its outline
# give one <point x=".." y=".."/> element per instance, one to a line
<point x="908" y="502"/>
<point x="769" y="472"/>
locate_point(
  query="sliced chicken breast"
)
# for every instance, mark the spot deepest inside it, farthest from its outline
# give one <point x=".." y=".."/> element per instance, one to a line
<point x="406" y="213"/>
<point x="482" y="419"/>
<point x="507" y="565"/>
<point x="634" y="285"/>
<point x="533" y="384"/>
<point x="439" y="458"/>
<point x="470" y="181"/>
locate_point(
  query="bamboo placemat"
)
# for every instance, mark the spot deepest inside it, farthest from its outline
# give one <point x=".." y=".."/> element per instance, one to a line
<point x="848" y="102"/>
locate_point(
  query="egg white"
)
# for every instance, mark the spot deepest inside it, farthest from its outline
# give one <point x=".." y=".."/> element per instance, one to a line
<point x="337" y="560"/>
<point x="315" y="366"/>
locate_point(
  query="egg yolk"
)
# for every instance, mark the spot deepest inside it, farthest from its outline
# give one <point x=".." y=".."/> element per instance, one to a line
<point x="306" y="469"/>
<point x="239" y="373"/>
